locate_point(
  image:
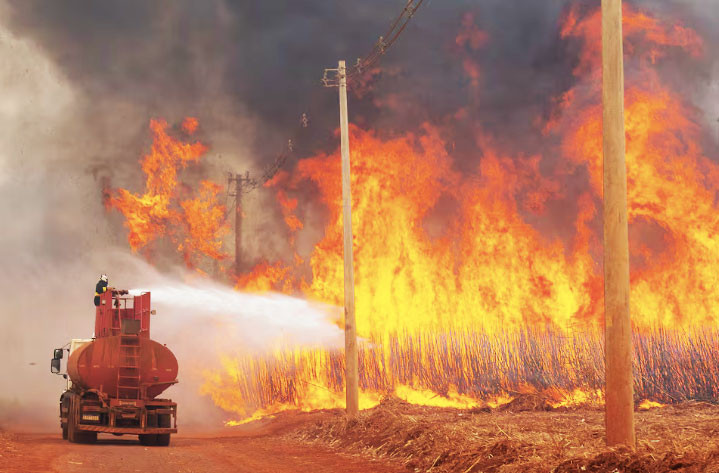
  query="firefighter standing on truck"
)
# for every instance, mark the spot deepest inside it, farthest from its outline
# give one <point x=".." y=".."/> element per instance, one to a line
<point x="100" y="288"/>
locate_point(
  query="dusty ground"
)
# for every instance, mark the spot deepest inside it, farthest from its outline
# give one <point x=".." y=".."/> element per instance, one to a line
<point x="258" y="449"/>
<point x="397" y="437"/>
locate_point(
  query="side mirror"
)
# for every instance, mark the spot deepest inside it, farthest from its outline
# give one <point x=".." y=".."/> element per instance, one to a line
<point x="57" y="354"/>
<point x="55" y="366"/>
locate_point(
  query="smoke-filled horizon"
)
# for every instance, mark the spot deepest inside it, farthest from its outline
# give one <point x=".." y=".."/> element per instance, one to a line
<point x="248" y="72"/>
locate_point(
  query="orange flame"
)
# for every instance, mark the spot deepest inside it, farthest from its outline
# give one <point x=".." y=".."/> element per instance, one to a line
<point x="452" y="269"/>
<point x="204" y="223"/>
<point x="436" y="251"/>
<point x="194" y="225"/>
<point x="646" y="38"/>
<point x="646" y="404"/>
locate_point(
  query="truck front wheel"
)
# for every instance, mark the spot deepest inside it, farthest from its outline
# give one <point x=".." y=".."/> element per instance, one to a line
<point x="64" y="431"/>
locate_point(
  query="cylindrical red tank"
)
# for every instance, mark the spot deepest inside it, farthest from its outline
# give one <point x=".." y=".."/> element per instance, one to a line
<point x="99" y="365"/>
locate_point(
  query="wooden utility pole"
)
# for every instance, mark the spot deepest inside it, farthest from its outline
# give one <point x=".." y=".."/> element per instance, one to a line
<point x="237" y="185"/>
<point x="239" y="181"/>
<point x="340" y="81"/>
<point x="238" y="223"/>
<point x="351" y="361"/>
<point x="619" y="390"/>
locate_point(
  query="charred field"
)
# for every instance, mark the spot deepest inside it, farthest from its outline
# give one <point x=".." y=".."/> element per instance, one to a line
<point x="526" y="435"/>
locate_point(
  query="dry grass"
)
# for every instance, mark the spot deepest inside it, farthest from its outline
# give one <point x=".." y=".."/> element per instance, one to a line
<point x="670" y="366"/>
<point x="675" y="438"/>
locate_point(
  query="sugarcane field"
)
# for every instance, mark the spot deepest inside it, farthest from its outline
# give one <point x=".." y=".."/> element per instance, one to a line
<point x="385" y="236"/>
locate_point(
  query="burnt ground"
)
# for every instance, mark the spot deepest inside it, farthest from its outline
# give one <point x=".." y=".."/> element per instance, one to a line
<point x="524" y="436"/>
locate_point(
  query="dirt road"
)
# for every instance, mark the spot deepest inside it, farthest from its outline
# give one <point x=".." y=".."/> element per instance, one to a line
<point x="257" y="450"/>
<point x="524" y="435"/>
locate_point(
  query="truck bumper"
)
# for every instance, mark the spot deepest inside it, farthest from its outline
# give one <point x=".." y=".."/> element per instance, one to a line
<point x="125" y="430"/>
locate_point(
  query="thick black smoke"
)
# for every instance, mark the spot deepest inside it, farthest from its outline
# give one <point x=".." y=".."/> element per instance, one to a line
<point x="250" y="69"/>
<point x="265" y="59"/>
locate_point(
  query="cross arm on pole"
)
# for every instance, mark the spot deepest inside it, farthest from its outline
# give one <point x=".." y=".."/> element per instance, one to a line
<point x="328" y="81"/>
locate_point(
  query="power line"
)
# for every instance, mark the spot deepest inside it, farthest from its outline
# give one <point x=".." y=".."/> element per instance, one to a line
<point x="239" y="185"/>
<point x="380" y="47"/>
<point x="250" y="183"/>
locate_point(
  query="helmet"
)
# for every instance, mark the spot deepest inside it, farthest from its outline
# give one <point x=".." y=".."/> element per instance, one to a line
<point x="103" y="277"/>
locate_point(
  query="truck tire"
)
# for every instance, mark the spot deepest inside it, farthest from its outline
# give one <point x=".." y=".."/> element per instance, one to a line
<point x="64" y="431"/>
<point x="149" y="440"/>
<point x="72" y="433"/>
<point x="163" y="440"/>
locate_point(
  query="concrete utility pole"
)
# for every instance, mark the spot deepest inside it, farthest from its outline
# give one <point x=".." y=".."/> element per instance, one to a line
<point x="619" y="390"/>
<point x="351" y="360"/>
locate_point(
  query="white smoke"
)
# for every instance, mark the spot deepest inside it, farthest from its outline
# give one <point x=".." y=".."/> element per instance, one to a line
<point x="57" y="239"/>
<point x="200" y="320"/>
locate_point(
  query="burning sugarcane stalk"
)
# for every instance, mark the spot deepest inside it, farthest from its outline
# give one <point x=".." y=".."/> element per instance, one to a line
<point x="454" y="269"/>
<point x="468" y="369"/>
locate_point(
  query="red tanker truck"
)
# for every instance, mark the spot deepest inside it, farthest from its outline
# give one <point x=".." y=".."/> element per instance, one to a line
<point x="115" y="378"/>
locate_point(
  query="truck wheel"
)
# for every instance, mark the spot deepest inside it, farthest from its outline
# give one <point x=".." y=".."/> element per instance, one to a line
<point x="72" y="433"/>
<point x="163" y="440"/>
<point x="64" y="431"/>
<point x="148" y="440"/>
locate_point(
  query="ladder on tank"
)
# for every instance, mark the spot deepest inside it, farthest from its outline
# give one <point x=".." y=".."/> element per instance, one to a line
<point x="128" y="374"/>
